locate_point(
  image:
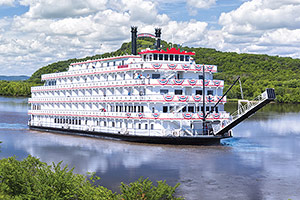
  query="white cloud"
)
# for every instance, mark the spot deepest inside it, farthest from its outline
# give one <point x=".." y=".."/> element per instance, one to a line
<point x="259" y="24"/>
<point x="193" y="5"/>
<point x="58" y="30"/>
<point x="262" y="15"/>
<point x="7" y="2"/>
<point x="54" y="30"/>
<point x="62" y="9"/>
<point x="202" y="4"/>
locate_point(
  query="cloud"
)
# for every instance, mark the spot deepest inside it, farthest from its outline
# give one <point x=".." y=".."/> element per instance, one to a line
<point x="7" y="2"/>
<point x="193" y="5"/>
<point x="261" y="15"/>
<point x="259" y="24"/>
<point x="54" y="30"/>
<point x="62" y="9"/>
<point x="202" y="4"/>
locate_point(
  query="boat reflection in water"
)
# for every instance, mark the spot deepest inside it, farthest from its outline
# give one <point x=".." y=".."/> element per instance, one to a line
<point x="261" y="162"/>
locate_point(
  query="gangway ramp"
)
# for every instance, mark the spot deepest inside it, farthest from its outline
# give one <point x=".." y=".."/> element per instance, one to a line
<point x="247" y="110"/>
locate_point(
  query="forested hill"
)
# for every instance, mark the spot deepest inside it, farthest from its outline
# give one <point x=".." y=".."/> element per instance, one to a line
<point x="257" y="71"/>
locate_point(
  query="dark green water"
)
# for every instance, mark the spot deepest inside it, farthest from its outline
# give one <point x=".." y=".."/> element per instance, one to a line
<point x="262" y="161"/>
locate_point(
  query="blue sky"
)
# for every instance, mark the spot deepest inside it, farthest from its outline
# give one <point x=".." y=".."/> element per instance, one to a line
<point x="34" y="33"/>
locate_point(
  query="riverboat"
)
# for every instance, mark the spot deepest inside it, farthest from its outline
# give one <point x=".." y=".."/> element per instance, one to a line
<point x="154" y="96"/>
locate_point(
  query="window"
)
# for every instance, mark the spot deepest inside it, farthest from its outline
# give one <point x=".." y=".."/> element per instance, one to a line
<point x="155" y="57"/>
<point x="122" y="62"/>
<point x="113" y="124"/>
<point x="161" y="56"/>
<point x="209" y="92"/>
<point x="187" y="58"/>
<point x="152" y="126"/>
<point x="178" y="92"/>
<point x="114" y="63"/>
<point x="104" y="124"/>
<point x="171" y="109"/>
<point x="207" y="108"/>
<point x="191" y="109"/>
<point x="107" y="64"/>
<point x="198" y="92"/>
<point x="183" y="109"/>
<point x="146" y="126"/>
<point x="171" y="57"/>
<point x="165" y="109"/>
<point x="153" y="109"/>
<point x="212" y="109"/>
<point x="217" y="110"/>
<point x="201" y="77"/>
<point x="166" y="57"/>
<point x="155" y="76"/>
<point x="181" y="57"/>
<point x="176" y="57"/>
<point x="164" y="91"/>
<point x="140" y="126"/>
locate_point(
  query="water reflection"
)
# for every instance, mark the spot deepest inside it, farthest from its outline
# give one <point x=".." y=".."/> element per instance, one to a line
<point x="261" y="162"/>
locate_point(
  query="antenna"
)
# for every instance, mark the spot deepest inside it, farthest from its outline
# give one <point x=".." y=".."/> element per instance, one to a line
<point x="241" y="89"/>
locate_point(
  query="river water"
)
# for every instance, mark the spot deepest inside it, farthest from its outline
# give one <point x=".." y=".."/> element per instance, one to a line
<point x="262" y="161"/>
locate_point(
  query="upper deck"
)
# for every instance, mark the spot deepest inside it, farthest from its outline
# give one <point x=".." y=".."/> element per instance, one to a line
<point x="170" y="60"/>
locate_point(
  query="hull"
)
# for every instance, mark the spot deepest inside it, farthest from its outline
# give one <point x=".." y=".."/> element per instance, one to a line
<point x="200" y="140"/>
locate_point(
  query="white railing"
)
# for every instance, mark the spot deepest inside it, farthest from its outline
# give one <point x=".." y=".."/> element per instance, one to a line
<point x="243" y="107"/>
<point x="127" y="115"/>
<point x="123" y="98"/>
<point x="132" y="66"/>
<point x="130" y="83"/>
<point x="248" y="105"/>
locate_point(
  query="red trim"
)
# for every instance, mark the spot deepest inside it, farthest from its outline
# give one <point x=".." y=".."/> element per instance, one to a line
<point x="119" y="117"/>
<point x="169" y="51"/>
<point x="121" y="70"/>
<point x="109" y="86"/>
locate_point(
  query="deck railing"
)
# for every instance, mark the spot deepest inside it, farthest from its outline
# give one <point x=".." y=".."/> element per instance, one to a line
<point x="122" y="98"/>
<point x="132" y="66"/>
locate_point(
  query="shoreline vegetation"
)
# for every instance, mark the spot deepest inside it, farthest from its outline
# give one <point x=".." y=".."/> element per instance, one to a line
<point x="32" y="179"/>
<point x="257" y="72"/>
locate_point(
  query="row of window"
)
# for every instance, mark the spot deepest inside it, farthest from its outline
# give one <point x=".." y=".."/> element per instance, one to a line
<point x="134" y="109"/>
<point x="191" y="109"/>
<point x="67" y="121"/>
<point x="113" y="124"/>
<point x="180" y="92"/>
<point x="113" y="63"/>
<point x="168" y="57"/>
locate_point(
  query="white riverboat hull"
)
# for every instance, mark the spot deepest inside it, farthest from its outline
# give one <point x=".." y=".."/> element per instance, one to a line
<point x="174" y="140"/>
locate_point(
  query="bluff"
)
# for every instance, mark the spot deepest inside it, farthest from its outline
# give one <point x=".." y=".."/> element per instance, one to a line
<point x="257" y="71"/>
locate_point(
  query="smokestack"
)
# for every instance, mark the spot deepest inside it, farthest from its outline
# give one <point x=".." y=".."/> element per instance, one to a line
<point x="157" y="35"/>
<point x="133" y="40"/>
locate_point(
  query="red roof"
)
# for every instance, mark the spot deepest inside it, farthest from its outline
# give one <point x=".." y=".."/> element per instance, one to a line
<point x="169" y="51"/>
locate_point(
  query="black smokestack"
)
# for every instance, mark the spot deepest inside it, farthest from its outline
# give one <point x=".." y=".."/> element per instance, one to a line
<point x="157" y="35"/>
<point x="133" y="40"/>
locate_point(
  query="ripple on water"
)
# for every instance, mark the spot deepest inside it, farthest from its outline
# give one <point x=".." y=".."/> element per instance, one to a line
<point x="12" y="126"/>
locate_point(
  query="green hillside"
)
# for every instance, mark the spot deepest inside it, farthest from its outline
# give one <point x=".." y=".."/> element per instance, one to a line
<point x="257" y="71"/>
